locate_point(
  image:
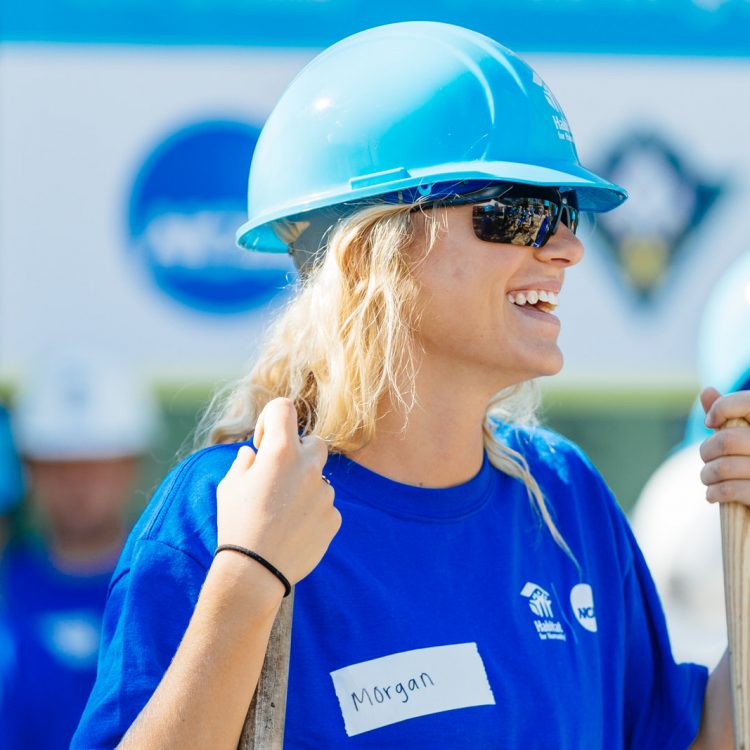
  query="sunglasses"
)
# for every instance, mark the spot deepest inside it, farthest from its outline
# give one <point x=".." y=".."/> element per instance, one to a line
<point x="519" y="214"/>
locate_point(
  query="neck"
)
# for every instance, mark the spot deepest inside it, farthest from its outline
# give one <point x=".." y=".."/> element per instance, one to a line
<point x="439" y="443"/>
<point x="93" y="554"/>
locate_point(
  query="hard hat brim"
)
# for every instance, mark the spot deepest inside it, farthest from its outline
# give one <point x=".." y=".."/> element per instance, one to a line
<point x="593" y="192"/>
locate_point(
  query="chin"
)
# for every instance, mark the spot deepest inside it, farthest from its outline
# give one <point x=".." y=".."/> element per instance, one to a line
<point x="553" y="368"/>
<point x="542" y="369"/>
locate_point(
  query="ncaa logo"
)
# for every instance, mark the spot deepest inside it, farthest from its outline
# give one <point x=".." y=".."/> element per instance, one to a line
<point x="582" y="602"/>
<point x="188" y="199"/>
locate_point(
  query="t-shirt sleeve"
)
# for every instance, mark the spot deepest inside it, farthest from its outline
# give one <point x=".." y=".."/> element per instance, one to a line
<point x="147" y="613"/>
<point x="663" y="700"/>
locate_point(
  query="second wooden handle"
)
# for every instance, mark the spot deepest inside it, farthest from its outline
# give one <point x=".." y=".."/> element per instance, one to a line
<point x="735" y="538"/>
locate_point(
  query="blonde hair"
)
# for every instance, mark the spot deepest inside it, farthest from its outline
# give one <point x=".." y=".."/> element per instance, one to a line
<point x="345" y="341"/>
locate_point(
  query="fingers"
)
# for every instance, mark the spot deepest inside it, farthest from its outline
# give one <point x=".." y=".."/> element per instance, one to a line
<point x="316" y="449"/>
<point x="731" y="491"/>
<point x="724" y="469"/>
<point x="732" y="406"/>
<point x="257" y="437"/>
<point x="242" y="461"/>
<point x="732" y="441"/>
<point x="708" y="396"/>
<point x="276" y="425"/>
<point x="727" y="452"/>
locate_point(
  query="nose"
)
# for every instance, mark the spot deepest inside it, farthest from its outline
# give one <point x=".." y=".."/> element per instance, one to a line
<point x="562" y="249"/>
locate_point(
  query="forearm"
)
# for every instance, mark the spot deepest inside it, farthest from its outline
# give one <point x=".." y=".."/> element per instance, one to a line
<point x="716" y="723"/>
<point x="203" y="697"/>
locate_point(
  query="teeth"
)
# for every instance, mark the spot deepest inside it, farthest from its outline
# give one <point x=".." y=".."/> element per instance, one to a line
<point x="534" y="296"/>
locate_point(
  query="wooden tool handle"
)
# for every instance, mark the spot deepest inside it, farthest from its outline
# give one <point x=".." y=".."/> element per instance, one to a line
<point x="264" y="723"/>
<point x="735" y="539"/>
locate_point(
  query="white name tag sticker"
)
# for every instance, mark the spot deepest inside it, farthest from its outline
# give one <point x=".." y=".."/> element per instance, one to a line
<point x="401" y="686"/>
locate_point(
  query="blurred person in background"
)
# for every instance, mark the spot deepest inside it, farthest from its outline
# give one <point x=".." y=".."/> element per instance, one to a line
<point x="679" y="534"/>
<point x="11" y="491"/>
<point x="81" y="428"/>
<point x="11" y="483"/>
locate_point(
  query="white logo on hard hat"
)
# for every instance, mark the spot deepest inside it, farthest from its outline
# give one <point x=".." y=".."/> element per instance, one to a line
<point x="561" y="122"/>
<point x="582" y="602"/>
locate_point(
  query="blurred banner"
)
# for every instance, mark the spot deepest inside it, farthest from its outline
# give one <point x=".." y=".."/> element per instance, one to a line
<point x="126" y="135"/>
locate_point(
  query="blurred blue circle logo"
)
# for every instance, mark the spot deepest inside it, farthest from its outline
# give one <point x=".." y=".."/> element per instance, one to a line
<point x="188" y="199"/>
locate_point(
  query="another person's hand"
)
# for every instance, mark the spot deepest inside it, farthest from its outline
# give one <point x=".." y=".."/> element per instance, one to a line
<point x="727" y="452"/>
<point x="277" y="503"/>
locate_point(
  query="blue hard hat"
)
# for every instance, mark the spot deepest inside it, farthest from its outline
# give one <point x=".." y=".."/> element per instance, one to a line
<point x="405" y="107"/>
<point x="724" y="340"/>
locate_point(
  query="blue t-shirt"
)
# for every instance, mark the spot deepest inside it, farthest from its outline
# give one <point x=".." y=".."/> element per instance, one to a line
<point x="50" y="625"/>
<point x="438" y="618"/>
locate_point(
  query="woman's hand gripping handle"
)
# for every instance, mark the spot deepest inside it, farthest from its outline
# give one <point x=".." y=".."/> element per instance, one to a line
<point x="727" y="476"/>
<point x="277" y="503"/>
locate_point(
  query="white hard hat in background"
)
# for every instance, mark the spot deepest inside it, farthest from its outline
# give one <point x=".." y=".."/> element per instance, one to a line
<point x="83" y="408"/>
<point x="724" y="340"/>
<point x="680" y="536"/>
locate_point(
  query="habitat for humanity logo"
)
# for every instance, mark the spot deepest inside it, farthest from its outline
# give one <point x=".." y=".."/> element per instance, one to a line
<point x="669" y="199"/>
<point x="187" y="201"/>
<point x="540" y="603"/>
<point x="561" y="122"/>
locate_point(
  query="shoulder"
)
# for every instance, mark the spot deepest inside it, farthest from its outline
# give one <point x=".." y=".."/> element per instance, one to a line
<point x="582" y="504"/>
<point x="191" y="486"/>
<point x="548" y="452"/>
<point x="182" y="512"/>
<point x="584" y="507"/>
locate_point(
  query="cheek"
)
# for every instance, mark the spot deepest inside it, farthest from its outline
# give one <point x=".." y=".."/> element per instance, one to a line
<point x="456" y="311"/>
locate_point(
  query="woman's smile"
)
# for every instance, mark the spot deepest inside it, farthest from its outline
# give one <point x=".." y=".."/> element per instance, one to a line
<point x="538" y="314"/>
<point x="541" y="299"/>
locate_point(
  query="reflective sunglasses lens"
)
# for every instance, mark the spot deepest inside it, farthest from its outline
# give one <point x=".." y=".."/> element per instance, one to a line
<point x="519" y="221"/>
<point x="570" y="217"/>
<point x="574" y="218"/>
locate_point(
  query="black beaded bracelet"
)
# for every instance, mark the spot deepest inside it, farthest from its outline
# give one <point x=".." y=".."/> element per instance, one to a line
<point x="261" y="560"/>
